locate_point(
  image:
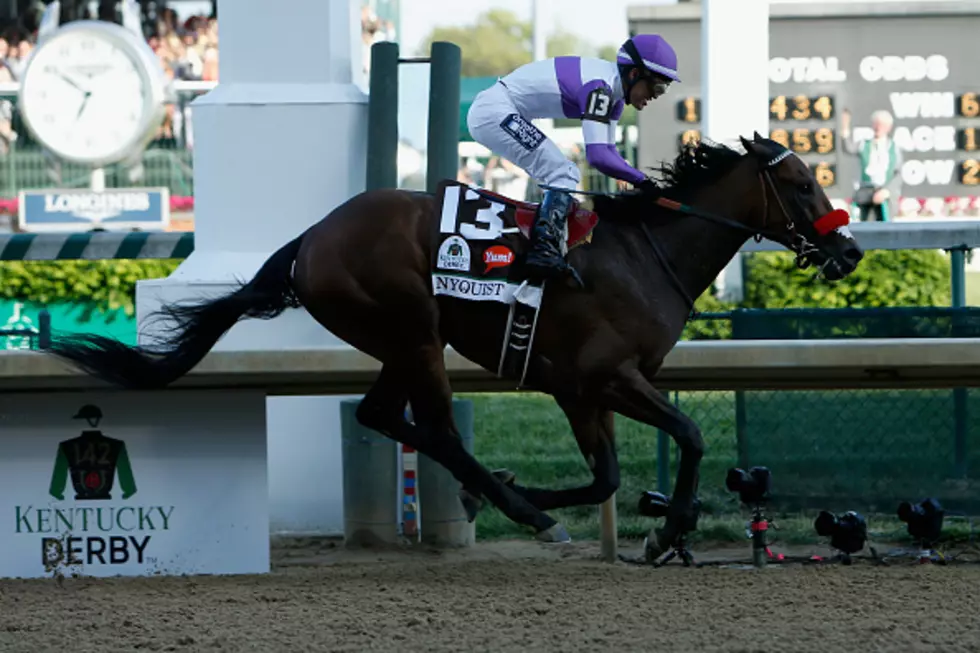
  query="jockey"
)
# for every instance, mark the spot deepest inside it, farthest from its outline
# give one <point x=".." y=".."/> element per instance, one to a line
<point x="592" y="90"/>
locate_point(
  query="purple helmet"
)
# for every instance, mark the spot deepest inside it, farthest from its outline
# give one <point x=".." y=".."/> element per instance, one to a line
<point x="649" y="52"/>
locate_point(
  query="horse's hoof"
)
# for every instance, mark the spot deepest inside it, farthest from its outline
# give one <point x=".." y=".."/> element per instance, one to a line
<point x="471" y="504"/>
<point x="505" y="476"/>
<point x="554" y="535"/>
<point x="652" y="549"/>
<point x="664" y="540"/>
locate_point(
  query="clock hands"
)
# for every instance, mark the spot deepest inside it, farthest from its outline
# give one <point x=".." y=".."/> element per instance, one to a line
<point x="85" y="92"/>
<point x="88" y="94"/>
<point x="72" y="82"/>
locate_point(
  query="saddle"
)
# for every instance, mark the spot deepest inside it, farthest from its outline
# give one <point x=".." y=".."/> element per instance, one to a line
<point x="580" y="221"/>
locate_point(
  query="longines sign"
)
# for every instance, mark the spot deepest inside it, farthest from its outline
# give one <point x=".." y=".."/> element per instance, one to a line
<point x="116" y="209"/>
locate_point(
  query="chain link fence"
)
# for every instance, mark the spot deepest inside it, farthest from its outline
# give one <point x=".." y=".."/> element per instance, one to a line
<point x="848" y="448"/>
<point x="838" y="450"/>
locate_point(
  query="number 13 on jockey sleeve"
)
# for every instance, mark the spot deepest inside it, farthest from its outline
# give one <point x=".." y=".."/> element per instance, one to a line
<point x="600" y="115"/>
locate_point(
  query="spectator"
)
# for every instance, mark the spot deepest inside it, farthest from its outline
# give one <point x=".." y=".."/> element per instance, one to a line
<point x="880" y="184"/>
<point x="18" y="59"/>
<point x="502" y="176"/>
<point x="7" y="133"/>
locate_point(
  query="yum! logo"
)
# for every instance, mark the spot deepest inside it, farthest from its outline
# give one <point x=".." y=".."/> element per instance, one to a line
<point x="497" y="256"/>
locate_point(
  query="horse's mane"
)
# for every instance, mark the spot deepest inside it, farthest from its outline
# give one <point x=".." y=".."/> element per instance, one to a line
<point x="697" y="164"/>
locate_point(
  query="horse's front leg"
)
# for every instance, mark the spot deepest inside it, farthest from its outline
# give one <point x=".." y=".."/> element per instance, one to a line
<point x="594" y="433"/>
<point x="631" y="395"/>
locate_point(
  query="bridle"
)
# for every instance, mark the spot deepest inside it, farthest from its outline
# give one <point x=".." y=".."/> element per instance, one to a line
<point x="791" y="237"/>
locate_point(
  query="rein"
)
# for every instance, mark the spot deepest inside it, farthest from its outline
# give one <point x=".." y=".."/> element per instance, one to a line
<point x="800" y="246"/>
<point x="796" y="242"/>
<point x="791" y="238"/>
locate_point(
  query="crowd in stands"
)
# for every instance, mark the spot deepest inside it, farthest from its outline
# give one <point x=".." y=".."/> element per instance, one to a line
<point x="187" y="50"/>
<point x="373" y="30"/>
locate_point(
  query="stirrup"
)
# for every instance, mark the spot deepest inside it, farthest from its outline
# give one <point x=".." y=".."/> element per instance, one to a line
<point x="545" y="259"/>
<point x="554" y="268"/>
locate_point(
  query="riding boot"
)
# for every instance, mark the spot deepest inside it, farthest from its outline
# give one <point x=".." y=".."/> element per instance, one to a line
<point x="545" y="260"/>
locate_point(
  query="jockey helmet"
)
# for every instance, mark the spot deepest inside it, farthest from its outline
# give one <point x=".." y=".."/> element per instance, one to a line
<point x="651" y="54"/>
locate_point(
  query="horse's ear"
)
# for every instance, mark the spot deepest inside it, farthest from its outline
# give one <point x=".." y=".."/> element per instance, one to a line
<point x="756" y="137"/>
<point x="747" y="144"/>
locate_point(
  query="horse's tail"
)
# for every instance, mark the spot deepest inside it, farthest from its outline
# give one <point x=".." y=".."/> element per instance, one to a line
<point x="195" y="329"/>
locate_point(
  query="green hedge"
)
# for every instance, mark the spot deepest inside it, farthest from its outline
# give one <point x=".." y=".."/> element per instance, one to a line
<point x="884" y="278"/>
<point x="103" y="285"/>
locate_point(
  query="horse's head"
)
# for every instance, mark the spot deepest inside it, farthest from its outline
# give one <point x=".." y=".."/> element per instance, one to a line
<point x="795" y="212"/>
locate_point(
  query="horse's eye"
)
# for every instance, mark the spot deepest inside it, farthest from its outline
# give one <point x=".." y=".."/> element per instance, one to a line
<point x="806" y="188"/>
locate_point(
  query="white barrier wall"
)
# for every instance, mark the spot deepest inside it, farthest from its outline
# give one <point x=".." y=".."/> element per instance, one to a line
<point x="277" y="147"/>
<point x="169" y="483"/>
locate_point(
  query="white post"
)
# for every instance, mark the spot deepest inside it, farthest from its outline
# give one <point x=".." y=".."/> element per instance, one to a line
<point x="539" y="38"/>
<point x="279" y="143"/>
<point x="97" y="180"/>
<point x="734" y="64"/>
<point x="539" y="48"/>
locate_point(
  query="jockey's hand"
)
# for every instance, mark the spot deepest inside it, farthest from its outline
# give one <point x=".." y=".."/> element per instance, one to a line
<point x="647" y="186"/>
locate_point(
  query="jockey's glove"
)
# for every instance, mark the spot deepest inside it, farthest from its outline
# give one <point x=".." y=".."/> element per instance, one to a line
<point x="648" y="186"/>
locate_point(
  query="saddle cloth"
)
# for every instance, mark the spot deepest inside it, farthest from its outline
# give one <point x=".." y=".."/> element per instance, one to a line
<point x="481" y="241"/>
<point x="483" y="238"/>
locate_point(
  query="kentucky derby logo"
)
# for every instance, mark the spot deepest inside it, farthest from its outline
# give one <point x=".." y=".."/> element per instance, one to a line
<point x="454" y="254"/>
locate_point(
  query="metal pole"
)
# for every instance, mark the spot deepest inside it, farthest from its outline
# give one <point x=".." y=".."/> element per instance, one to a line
<point x="663" y="462"/>
<point x="609" y="530"/>
<point x="44" y="329"/>
<point x="958" y="276"/>
<point x="663" y="456"/>
<point x="443" y="521"/>
<point x="370" y="465"/>
<point x="538" y="38"/>
<point x="443" y="141"/>
<point x="960" y="416"/>
<point x="382" y="139"/>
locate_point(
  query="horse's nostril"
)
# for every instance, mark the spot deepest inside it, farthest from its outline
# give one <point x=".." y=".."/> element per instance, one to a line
<point x="853" y="255"/>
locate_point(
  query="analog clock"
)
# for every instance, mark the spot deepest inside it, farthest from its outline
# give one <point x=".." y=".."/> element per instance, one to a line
<point x="93" y="93"/>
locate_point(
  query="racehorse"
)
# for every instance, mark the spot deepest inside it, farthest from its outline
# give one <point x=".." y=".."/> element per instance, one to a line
<point x="364" y="273"/>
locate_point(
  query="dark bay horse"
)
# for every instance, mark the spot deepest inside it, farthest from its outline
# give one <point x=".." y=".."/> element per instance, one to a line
<point x="364" y="273"/>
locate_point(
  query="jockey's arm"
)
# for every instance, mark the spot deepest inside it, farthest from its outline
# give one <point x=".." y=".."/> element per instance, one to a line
<point x="599" y="119"/>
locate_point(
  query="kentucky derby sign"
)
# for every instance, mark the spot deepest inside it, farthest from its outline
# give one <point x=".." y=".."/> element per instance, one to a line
<point x="135" y="484"/>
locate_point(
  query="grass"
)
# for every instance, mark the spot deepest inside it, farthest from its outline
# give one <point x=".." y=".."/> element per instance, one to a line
<point x="528" y="434"/>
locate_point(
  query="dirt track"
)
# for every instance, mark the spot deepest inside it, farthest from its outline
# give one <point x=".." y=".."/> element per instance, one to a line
<point x="507" y="596"/>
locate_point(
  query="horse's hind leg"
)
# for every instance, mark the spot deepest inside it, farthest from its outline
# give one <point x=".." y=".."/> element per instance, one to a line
<point x="383" y="410"/>
<point x="422" y="375"/>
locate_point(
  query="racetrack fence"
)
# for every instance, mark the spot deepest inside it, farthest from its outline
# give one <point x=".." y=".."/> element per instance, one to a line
<point x="861" y="449"/>
<point x="839" y="449"/>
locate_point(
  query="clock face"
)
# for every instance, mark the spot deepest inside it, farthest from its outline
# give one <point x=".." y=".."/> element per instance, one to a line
<point x="86" y="95"/>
